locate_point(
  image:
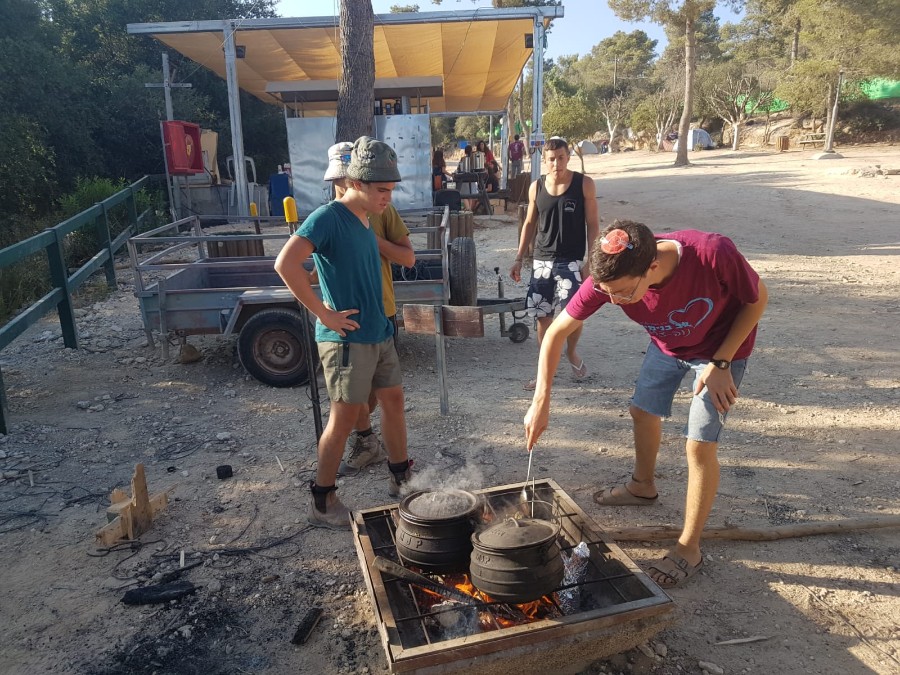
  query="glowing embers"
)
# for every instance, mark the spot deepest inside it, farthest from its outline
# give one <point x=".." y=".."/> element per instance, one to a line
<point x="454" y="619"/>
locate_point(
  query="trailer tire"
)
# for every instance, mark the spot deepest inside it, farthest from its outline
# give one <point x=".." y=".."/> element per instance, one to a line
<point x="272" y="349"/>
<point x="463" y="272"/>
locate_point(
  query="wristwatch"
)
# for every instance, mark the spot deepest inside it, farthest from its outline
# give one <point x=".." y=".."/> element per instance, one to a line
<point x="721" y="364"/>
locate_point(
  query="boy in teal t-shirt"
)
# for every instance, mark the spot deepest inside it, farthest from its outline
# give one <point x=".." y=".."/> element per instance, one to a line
<point x="355" y="338"/>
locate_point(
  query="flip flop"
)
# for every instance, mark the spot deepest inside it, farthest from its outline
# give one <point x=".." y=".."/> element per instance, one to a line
<point x="579" y="372"/>
<point x="673" y="570"/>
<point x="606" y="497"/>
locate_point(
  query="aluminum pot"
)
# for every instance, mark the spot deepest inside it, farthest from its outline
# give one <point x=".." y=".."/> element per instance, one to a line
<point x="517" y="560"/>
<point x="434" y="532"/>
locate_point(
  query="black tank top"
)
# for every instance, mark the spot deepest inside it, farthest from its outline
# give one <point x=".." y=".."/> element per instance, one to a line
<point x="562" y="231"/>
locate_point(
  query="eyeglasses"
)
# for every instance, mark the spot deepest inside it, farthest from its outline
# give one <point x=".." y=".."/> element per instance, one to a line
<point x="616" y="296"/>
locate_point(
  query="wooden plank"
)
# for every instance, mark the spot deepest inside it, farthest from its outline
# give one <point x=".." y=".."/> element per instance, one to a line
<point x="158" y="502"/>
<point x="456" y="321"/>
<point x="141" y="513"/>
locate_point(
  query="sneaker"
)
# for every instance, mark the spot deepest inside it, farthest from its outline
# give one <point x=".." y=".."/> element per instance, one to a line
<point x="396" y="481"/>
<point x="336" y="516"/>
<point x="363" y="451"/>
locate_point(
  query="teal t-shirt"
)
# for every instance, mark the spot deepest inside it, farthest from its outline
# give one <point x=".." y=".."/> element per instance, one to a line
<point x="349" y="266"/>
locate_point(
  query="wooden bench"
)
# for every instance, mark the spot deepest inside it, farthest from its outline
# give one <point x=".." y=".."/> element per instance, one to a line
<point x="812" y="139"/>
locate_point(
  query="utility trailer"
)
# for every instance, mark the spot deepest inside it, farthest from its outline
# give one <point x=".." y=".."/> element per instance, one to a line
<point x="183" y="290"/>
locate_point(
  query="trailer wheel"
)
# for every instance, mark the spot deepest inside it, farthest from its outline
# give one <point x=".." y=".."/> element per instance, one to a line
<point x="518" y="332"/>
<point x="271" y="348"/>
<point x="463" y="279"/>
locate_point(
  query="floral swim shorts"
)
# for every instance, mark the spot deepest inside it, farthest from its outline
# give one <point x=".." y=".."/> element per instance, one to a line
<point x="552" y="285"/>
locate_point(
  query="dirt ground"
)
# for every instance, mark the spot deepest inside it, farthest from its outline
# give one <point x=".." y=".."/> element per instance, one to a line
<point x="813" y="438"/>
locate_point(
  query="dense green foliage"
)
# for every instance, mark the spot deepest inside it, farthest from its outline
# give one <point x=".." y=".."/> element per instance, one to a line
<point x="75" y="105"/>
<point x="791" y="50"/>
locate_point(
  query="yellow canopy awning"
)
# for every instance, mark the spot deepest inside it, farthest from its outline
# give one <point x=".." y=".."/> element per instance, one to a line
<point x="478" y="54"/>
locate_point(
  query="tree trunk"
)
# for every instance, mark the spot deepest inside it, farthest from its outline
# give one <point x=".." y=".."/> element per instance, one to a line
<point x="684" y="126"/>
<point x="525" y="129"/>
<point x="356" y="89"/>
<point x="795" y="43"/>
<point x="736" y="130"/>
<point x="827" y="108"/>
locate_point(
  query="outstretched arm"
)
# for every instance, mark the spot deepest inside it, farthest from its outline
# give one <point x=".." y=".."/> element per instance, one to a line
<point x="538" y="417"/>
<point x="591" y="220"/>
<point x="719" y="382"/>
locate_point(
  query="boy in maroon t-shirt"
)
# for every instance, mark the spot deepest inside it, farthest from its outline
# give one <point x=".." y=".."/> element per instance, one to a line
<point x="700" y="301"/>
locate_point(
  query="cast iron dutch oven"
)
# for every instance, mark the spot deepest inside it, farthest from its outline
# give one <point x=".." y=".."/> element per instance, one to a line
<point x="435" y="529"/>
<point x="517" y="560"/>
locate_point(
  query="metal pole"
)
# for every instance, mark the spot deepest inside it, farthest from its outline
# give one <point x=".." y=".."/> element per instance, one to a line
<point x="829" y="137"/>
<point x="537" y="99"/>
<point x="174" y="186"/>
<point x="234" y="111"/>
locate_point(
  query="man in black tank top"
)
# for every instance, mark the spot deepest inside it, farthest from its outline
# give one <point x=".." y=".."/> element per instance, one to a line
<point x="563" y="221"/>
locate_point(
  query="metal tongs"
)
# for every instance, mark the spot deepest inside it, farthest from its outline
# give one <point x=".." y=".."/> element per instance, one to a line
<point x="525" y="497"/>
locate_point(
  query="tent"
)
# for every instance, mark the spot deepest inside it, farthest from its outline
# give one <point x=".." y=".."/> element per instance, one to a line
<point x="588" y="148"/>
<point x="699" y="139"/>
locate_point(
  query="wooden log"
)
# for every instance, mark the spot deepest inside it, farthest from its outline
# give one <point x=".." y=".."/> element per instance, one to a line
<point x="763" y="533"/>
<point x="434" y="238"/>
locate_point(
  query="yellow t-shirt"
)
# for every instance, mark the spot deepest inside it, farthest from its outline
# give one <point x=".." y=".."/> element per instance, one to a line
<point x="390" y="226"/>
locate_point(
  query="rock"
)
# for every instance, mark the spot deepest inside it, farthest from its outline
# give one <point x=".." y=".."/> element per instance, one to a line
<point x="83" y="405"/>
<point x="711" y="668"/>
<point x="644" y="649"/>
<point x="661" y="649"/>
<point x="213" y="586"/>
<point x="223" y="436"/>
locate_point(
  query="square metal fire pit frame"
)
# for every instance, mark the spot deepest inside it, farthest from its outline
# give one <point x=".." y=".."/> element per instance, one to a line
<point x="565" y="644"/>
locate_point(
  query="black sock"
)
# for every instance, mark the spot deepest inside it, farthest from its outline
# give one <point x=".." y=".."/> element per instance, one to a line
<point x="364" y="434"/>
<point x="399" y="469"/>
<point x="320" y="494"/>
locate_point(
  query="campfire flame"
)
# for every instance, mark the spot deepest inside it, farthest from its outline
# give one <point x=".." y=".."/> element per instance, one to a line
<point x="503" y="615"/>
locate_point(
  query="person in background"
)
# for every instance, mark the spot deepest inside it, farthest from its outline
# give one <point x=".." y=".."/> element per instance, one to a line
<point x="355" y="338"/>
<point x="438" y="170"/>
<point x="515" y="153"/>
<point x="392" y="236"/>
<point x="562" y="210"/>
<point x="700" y="301"/>
<point x="489" y="161"/>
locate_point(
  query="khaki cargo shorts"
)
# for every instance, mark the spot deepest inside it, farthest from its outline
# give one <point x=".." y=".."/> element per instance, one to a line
<point x="352" y="370"/>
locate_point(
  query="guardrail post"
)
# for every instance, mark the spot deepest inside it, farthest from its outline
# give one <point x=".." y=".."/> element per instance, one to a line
<point x="105" y="242"/>
<point x="60" y="279"/>
<point x="132" y="208"/>
<point x="4" y="406"/>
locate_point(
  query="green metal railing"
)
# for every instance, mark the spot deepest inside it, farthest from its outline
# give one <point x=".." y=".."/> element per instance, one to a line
<point x="51" y="241"/>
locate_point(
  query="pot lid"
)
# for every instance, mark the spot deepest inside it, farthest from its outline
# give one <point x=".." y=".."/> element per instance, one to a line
<point x="439" y="504"/>
<point x="514" y="533"/>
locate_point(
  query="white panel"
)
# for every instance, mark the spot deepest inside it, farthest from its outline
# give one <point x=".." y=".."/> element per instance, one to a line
<point x="410" y="137"/>
<point x="308" y="141"/>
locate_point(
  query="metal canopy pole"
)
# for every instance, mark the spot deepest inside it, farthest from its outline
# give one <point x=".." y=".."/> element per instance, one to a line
<point x="237" y="134"/>
<point x="537" y="102"/>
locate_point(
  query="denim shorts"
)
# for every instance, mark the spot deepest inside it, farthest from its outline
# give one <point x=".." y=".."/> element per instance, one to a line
<point x="552" y="285"/>
<point x="659" y="379"/>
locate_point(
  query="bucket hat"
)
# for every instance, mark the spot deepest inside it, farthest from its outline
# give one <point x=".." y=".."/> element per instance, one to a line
<point x="338" y="159"/>
<point x="373" y="162"/>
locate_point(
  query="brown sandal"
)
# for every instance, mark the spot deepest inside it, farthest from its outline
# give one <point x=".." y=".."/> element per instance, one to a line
<point x="606" y="497"/>
<point x="673" y="570"/>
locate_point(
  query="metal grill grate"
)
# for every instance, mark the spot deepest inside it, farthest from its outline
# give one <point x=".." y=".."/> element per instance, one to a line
<point x="611" y="592"/>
